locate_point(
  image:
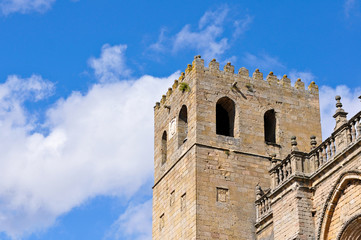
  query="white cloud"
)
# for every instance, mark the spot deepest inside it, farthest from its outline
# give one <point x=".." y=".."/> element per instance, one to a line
<point x="241" y="25"/>
<point x="111" y="64"/>
<point x="134" y="224"/>
<point x="14" y="92"/>
<point x="159" y="45"/>
<point x="208" y="38"/>
<point x="263" y="61"/>
<point x="96" y="143"/>
<point x="204" y="41"/>
<point x="25" y="6"/>
<point x="349" y="99"/>
<point x="216" y="17"/>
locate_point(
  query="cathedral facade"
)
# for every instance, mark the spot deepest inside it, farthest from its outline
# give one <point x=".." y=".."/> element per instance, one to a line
<point x="240" y="157"/>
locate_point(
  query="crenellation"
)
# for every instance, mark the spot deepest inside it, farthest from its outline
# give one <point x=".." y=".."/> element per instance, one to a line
<point x="257" y="75"/>
<point x="157" y="106"/>
<point x="167" y="97"/>
<point x="181" y="77"/>
<point x="228" y="68"/>
<point x="175" y="84"/>
<point x="198" y="63"/>
<point x="164" y="98"/>
<point x="299" y="84"/>
<point x="285" y="81"/>
<point x="272" y="79"/>
<point x="243" y="72"/>
<point x="243" y="76"/>
<point x="213" y="65"/>
<point x="188" y="69"/>
<point x="313" y="88"/>
<point x="169" y="92"/>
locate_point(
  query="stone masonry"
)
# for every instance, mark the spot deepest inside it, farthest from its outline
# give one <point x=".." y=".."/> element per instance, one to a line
<point x="316" y="194"/>
<point x="227" y="164"/>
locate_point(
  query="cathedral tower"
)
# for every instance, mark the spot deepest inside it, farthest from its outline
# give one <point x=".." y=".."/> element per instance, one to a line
<point x="215" y="133"/>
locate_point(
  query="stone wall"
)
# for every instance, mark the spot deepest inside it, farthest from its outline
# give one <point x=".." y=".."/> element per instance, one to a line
<point x="297" y="109"/>
<point x="292" y="213"/>
<point x="348" y="205"/>
<point x="317" y="195"/>
<point x="166" y="115"/>
<point x="330" y="209"/>
<point x="220" y="173"/>
<point x="226" y="193"/>
<point x="174" y="201"/>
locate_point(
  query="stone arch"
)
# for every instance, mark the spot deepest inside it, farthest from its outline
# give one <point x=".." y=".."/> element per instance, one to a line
<point x="351" y="230"/>
<point x="182" y="125"/>
<point x="164" y="147"/>
<point x="270" y="126"/>
<point x="331" y="202"/>
<point x="225" y="116"/>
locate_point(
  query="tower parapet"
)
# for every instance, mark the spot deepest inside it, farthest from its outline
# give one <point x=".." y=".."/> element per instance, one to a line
<point x="254" y="95"/>
<point x="243" y="74"/>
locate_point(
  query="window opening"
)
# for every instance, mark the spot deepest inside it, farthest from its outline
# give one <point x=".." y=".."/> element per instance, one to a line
<point x="225" y="112"/>
<point x="164" y="147"/>
<point x="270" y="126"/>
<point x="182" y="125"/>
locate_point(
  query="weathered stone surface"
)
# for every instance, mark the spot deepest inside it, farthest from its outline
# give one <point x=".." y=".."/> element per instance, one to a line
<point x="206" y="189"/>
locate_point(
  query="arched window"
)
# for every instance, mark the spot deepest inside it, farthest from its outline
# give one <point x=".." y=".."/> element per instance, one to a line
<point x="164" y="147"/>
<point x="182" y="125"/>
<point x="225" y="112"/>
<point x="270" y="126"/>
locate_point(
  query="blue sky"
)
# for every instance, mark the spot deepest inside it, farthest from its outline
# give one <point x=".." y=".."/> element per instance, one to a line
<point x="79" y="79"/>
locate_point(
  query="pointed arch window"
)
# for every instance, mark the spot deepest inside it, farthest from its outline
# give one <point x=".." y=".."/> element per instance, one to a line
<point x="164" y="147"/>
<point x="225" y="113"/>
<point x="182" y="125"/>
<point x="270" y="126"/>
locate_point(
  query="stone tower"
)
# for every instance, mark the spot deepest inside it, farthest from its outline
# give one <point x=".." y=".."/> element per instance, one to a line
<point x="215" y="134"/>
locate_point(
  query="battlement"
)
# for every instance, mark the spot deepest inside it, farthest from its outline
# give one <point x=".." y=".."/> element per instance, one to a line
<point x="214" y="134"/>
<point x="242" y="79"/>
<point x="245" y="99"/>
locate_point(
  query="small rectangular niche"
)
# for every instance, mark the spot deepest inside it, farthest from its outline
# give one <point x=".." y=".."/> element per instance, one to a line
<point x="313" y="212"/>
<point x="161" y="222"/>
<point x="222" y="195"/>
<point x="172" y="198"/>
<point x="183" y="202"/>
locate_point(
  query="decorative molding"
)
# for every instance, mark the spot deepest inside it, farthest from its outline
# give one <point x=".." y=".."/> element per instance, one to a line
<point x="346" y="224"/>
<point x="344" y="177"/>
